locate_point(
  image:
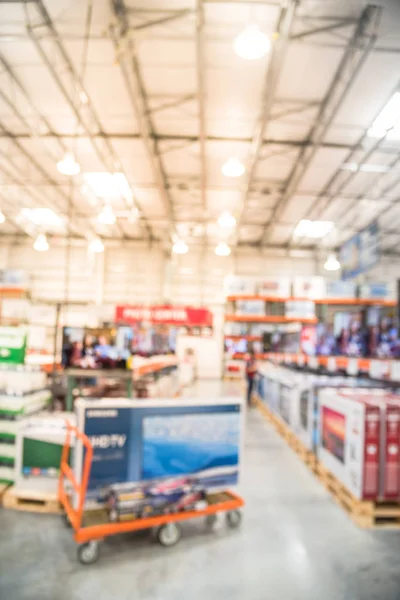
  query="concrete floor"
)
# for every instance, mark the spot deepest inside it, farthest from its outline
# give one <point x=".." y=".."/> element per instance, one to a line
<point x="294" y="544"/>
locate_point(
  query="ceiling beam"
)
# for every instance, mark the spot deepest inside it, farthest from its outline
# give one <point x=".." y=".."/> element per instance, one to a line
<point x="126" y="53"/>
<point x="279" y="48"/>
<point x="358" y="49"/>
<point x="200" y="67"/>
<point x="70" y="84"/>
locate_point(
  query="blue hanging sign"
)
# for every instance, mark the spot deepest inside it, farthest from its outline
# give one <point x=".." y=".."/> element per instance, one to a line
<point x="361" y="252"/>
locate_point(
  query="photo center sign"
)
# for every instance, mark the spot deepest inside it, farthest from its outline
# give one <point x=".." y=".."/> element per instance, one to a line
<point x="172" y="315"/>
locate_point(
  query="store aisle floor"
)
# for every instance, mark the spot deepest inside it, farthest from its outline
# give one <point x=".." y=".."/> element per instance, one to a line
<point x="294" y="544"/>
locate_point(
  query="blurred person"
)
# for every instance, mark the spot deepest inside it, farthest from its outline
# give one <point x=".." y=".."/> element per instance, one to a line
<point x="251" y="370"/>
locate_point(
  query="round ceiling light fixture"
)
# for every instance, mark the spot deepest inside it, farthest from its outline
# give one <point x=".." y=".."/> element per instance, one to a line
<point x="68" y="165"/>
<point x="41" y="244"/>
<point x="252" y="44"/>
<point x="180" y="247"/>
<point x="233" y="167"/>
<point x="96" y="245"/>
<point x="332" y="263"/>
<point x="226" y="220"/>
<point x="106" y="216"/>
<point x="222" y="249"/>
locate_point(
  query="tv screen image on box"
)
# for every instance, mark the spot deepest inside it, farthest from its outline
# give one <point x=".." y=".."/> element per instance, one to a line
<point x="333" y="432"/>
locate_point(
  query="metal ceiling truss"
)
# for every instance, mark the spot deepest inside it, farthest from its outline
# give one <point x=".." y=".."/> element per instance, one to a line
<point x="278" y="53"/>
<point x="358" y="49"/>
<point x="41" y="28"/>
<point x="200" y="64"/>
<point x="14" y="84"/>
<point x="125" y="49"/>
<point x="341" y="179"/>
<point x="332" y="25"/>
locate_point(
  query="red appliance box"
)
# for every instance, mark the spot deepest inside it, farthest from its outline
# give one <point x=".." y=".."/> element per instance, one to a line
<point x="389" y="479"/>
<point x="349" y="441"/>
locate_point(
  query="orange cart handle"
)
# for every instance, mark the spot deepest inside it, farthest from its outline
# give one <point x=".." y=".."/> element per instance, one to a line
<point x="74" y="514"/>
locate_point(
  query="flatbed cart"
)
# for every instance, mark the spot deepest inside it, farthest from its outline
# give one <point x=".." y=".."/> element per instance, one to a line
<point x="91" y="527"/>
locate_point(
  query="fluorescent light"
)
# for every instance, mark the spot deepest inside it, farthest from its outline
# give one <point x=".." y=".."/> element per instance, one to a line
<point x="365" y="167"/>
<point x="106" y="216"/>
<point x="96" y="245"/>
<point x="68" y="165"/>
<point x="233" y="168"/>
<point x="313" y="229"/>
<point x="332" y="263"/>
<point x="227" y="220"/>
<point x="180" y="247"/>
<point x="109" y="185"/>
<point x="222" y="249"/>
<point x="252" y="43"/>
<point x="2" y="216"/>
<point x="83" y="97"/>
<point x="388" y="119"/>
<point x="41" y="244"/>
<point x="42" y="217"/>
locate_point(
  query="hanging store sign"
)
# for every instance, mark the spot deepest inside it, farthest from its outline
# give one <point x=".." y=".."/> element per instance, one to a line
<point x="361" y="252"/>
<point x="170" y="315"/>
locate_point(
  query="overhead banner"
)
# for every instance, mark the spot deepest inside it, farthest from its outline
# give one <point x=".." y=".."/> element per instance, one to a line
<point x="170" y="315"/>
<point x="361" y="252"/>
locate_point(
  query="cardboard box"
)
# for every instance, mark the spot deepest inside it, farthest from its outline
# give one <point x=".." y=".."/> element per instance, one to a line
<point x="349" y="444"/>
<point x="141" y="441"/>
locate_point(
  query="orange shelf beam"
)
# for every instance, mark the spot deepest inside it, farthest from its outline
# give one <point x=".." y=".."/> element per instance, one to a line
<point x="269" y="319"/>
<point x="334" y="301"/>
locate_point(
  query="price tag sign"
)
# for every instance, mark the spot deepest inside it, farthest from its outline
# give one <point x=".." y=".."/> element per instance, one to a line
<point x="395" y="370"/>
<point x="331" y="364"/>
<point x="352" y="366"/>
<point x="313" y="362"/>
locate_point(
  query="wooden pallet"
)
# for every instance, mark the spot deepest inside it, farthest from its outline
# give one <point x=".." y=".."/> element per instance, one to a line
<point x="291" y="439"/>
<point x="365" y="513"/>
<point x="31" y="501"/>
<point x="3" y="488"/>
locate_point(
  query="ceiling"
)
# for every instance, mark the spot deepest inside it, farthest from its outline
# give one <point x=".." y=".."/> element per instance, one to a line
<point x="153" y="89"/>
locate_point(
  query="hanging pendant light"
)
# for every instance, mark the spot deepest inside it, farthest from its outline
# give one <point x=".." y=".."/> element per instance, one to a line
<point x="41" y="244"/>
<point x="226" y="220"/>
<point x="68" y="165"/>
<point x="252" y="44"/>
<point x="180" y="247"/>
<point x="96" y="245"/>
<point x="222" y="249"/>
<point x="106" y="216"/>
<point x="233" y="167"/>
<point x="332" y="263"/>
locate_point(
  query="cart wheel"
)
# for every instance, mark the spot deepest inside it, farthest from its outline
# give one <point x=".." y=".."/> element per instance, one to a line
<point x="211" y="520"/>
<point x="234" y="518"/>
<point x="169" y="534"/>
<point x="66" y="521"/>
<point x="89" y="552"/>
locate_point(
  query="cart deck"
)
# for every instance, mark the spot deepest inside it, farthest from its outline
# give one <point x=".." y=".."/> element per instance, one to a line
<point x="91" y="526"/>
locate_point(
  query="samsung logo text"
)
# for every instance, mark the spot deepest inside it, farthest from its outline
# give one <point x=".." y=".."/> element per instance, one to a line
<point x="102" y="413"/>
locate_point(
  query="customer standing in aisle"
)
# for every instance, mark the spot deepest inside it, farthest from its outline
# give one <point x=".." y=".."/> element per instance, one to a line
<point x="251" y="369"/>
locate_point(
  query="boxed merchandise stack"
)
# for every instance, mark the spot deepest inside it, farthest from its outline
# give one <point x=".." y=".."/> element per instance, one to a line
<point x="23" y="391"/>
<point x="293" y="397"/>
<point x="360" y="441"/>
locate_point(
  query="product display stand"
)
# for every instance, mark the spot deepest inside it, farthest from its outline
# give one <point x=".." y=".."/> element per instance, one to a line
<point x="23" y="391"/>
<point x="73" y="375"/>
<point x="89" y="528"/>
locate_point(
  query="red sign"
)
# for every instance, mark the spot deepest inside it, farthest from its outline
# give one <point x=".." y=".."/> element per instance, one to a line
<point x="171" y="315"/>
